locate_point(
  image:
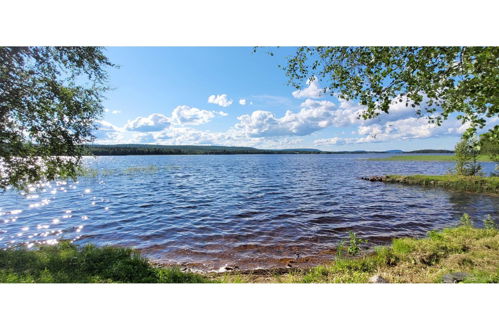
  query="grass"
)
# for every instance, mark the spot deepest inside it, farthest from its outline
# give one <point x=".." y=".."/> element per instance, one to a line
<point x="407" y="260"/>
<point x="429" y="158"/>
<point x="454" y="182"/>
<point x="67" y="263"/>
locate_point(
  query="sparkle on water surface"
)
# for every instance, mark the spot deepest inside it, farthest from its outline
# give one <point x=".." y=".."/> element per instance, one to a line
<point x="251" y="210"/>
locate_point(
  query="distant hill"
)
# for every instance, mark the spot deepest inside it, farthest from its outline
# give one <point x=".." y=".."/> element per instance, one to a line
<point x="151" y="149"/>
<point x="154" y="149"/>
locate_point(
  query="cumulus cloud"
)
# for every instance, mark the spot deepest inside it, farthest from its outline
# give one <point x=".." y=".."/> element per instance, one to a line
<point x="105" y="130"/>
<point x="313" y="90"/>
<point x="156" y="127"/>
<point x="260" y="123"/>
<point x="243" y="101"/>
<point x="151" y="123"/>
<point x="312" y="116"/>
<point x="186" y="115"/>
<point x="264" y="129"/>
<point x="403" y="129"/>
<point x="221" y="100"/>
<point x="414" y="128"/>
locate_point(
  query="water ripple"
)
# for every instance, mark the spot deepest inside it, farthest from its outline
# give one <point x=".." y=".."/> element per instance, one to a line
<point x="253" y="211"/>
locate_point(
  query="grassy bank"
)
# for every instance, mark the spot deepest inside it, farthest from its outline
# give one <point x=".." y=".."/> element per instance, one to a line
<point x="428" y="158"/>
<point x="454" y="182"/>
<point x="463" y="249"/>
<point x="66" y="263"/>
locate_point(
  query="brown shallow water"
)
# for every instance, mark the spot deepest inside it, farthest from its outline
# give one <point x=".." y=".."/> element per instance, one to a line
<point x="245" y="211"/>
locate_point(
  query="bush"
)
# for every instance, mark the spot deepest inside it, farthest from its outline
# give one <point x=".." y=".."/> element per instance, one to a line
<point x="489" y="223"/>
<point x="352" y="247"/>
<point x="465" y="220"/>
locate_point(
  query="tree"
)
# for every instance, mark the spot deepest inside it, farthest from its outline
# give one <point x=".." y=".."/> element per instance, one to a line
<point x="435" y="81"/>
<point x="467" y="152"/>
<point x="49" y="100"/>
<point x="490" y="147"/>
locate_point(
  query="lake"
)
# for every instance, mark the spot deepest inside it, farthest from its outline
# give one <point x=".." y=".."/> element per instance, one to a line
<point x="250" y="211"/>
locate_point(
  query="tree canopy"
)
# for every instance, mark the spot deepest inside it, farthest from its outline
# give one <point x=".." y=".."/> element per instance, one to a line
<point x="435" y="81"/>
<point x="49" y="100"/>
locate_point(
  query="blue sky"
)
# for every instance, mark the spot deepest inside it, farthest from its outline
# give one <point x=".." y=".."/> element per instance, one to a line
<point x="233" y="96"/>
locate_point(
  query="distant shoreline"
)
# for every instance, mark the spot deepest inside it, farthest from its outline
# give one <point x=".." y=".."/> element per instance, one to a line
<point x="147" y="149"/>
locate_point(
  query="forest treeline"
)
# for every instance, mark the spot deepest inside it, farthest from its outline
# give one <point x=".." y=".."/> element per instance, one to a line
<point x="147" y="149"/>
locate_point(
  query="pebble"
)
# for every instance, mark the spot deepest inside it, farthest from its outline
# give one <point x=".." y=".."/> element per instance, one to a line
<point x="454" y="277"/>
<point x="377" y="279"/>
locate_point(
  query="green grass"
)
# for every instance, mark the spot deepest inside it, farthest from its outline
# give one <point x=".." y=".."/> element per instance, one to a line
<point x="67" y="263"/>
<point x="407" y="260"/>
<point x="454" y="182"/>
<point x="428" y="158"/>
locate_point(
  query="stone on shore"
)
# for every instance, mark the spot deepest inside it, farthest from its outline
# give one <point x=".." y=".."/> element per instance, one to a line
<point x="377" y="279"/>
<point x="455" y="277"/>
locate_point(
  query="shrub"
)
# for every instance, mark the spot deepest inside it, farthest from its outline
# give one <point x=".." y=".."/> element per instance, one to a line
<point x="465" y="220"/>
<point x="352" y="246"/>
<point x="489" y="223"/>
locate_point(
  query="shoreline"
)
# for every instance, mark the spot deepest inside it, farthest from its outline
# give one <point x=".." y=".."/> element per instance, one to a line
<point x="469" y="252"/>
<point x="470" y="184"/>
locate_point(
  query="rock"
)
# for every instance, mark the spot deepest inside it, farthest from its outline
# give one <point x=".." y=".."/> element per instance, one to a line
<point x="377" y="279"/>
<point x="228" y="268"/>
<point x="373" y="178"/>
<point x="454" y="277"/>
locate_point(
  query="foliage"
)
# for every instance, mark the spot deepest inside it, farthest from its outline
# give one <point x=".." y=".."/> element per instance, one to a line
<point x="467" y="151"/>
<point x="49" y="99"/>
<point x="435" y="81"/>
<point x="352" y="246"/>
<point x="409" y="260"/>
<point x="489" y="223"/>
<point x="66" y="263"/>
<point x="465" y="220"/>
<point x="490" y="147"/>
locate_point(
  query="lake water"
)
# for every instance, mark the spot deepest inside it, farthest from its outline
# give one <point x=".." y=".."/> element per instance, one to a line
<point x="253" y="211"/>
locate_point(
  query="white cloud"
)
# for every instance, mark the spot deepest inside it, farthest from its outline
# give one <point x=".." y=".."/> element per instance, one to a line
<point x="260" y="123"/>
<point x="264" y="129"/>
<point x="186" y="115"/>
<point x="151" y="123"/>
<point x="332" y="141"/>
<point x="221" y="100"/>
<point x="313" y="90"/>
<point x="243" y="101"/>
<point x="114" y="112"/>
<point x="403" y="129"/>
<point x="313" y="115"/>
